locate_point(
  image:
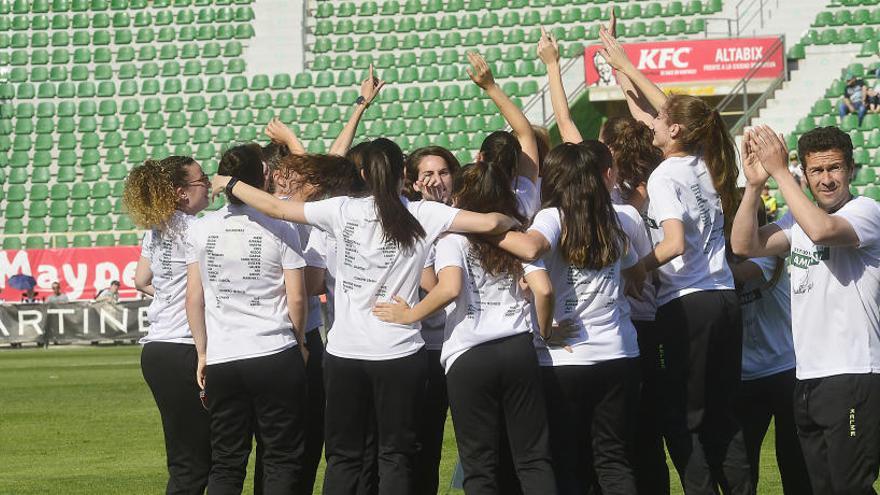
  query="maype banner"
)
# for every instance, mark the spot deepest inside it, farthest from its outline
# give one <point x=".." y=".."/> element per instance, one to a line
<point x="690" y="60"/>
<point x="81" y="271"/>
<point x="73" y="322"/>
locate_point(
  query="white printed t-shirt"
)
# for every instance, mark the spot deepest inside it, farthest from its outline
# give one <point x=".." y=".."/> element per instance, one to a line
<point x="637" y="235"/>
<point x="591" y="299"/>
<point x="681" y="188"/>
<point x="242" y="255"/>
<point x="835" y="296"/>
<point x="166" y="253"/>
<point x="766" y="315"/>
<point x="370" y="270"/>
<point x="322" y="246"/>
<point x="487" y="308"/>
<point x="315" y="260"/>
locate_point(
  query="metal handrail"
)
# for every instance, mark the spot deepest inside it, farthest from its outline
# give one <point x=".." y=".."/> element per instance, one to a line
<point x="741" y="88"/>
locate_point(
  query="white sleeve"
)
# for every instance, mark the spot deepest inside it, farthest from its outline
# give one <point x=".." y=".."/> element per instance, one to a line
<point x="534" y="266"/>
<point x="324" y="214"/>
<point x="665" y="201"/>
<point x="548" y="224"/>
<point x="146" y="245"/>
<point x="191" y="249"/>
<point x="527" y="196"/>
<point x="450" y="252"/>
<point x="864" y="216"/>
<point x="432" y="256"/>
<point x="785" y="224"/>
<point x="291" y="252"/>
<point x="435" y="217"/>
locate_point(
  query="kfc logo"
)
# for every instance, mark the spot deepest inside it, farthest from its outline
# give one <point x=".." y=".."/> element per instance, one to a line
<point x="660" y="58"/>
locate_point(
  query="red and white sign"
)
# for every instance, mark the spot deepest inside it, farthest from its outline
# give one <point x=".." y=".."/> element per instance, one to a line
<point x="690" y="60"/>
<point x="81" y="271"/>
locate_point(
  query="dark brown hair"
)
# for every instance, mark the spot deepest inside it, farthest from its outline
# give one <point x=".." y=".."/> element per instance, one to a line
<point x="411" y="165"/>
<point x="825" y="139"/>
<point x="244" y="162"/>
<point x="501" y="149"/>
<point x="573" y="183"/>
<point x="634" y="154"/>
<point x="705" y="134"/>
<point x="383" y="173"/>
<point x="330" y="175"/>
<point x="484" y="188"/>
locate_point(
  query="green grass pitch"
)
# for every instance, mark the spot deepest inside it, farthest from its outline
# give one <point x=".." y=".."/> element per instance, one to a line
<point x="81" y="420"/>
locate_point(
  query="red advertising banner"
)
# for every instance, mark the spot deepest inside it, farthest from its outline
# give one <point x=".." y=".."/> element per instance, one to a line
<point x="81" y="271"/>
<point x="690" y="60"/>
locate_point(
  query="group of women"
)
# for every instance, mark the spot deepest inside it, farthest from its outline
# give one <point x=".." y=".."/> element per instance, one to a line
<point x="572" y="307"/>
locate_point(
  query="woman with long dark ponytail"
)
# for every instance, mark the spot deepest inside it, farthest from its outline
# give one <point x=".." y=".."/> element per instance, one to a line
<point x="163" y="196"/>
<point x="693" y="200"/>
<point x="591" y="374"/>
<point x="491" y="369"/>
<point x="382" y="241"/>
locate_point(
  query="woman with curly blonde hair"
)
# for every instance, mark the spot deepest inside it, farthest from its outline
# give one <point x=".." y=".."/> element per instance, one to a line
<point x="164" y="196"/>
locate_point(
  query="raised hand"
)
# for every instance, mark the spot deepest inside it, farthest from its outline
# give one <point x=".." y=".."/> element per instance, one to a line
<point x="396" y="312"/>
<point x="613" y="52"/>
<point x="370" y="87"/>
<point x="755" y="174"/>
<point x="770" y="149"/>
<point x="218" y="185"/>
<point x="548" y="49"/>
<point x="479" y="71"/>
<point x="280" y="133"/>
<point x="612" y="24"/>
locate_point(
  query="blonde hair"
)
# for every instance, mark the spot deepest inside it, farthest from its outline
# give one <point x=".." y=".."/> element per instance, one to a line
<point x="149" y="196"/>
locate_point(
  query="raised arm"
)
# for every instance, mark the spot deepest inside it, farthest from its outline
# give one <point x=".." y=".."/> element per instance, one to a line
<point x="280" y="133"/>
<point x="746" y="238"/>
<point x="369" y="89"/>
<point x="289" y="210"/>
<point x="482" y="77"/>
<point x="614" y="54"/>
<point x="639" y="106"/>
<point x="143" y="277"/>
<point x="820" y="226"/>
<point x="468" y="222"/>
<point x="195" y="316"/>
<point x="548" y="52"/>
<point x="447" y="289"/>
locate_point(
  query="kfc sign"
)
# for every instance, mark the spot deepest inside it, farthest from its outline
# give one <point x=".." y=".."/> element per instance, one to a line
<point x="690" y="60"/>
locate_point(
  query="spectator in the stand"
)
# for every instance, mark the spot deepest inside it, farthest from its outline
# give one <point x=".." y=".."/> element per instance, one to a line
<point x="853" y="97"/>
<point x="770" y="205"/>
<point x="30" y="297"/>
<point x="110" y="294"/>
<point x="57" y="296"/>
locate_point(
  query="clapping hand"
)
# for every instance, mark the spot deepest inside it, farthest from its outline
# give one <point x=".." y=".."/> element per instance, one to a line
<point x="770" y="149"/>
<point x="755" y="174"/>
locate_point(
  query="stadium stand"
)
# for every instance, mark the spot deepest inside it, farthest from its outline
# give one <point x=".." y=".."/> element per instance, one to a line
<point x="93" y="87"/>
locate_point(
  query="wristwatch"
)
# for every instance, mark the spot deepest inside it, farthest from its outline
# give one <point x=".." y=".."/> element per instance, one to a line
<point x="360" y="100"/>
<point x="232" y="182"/>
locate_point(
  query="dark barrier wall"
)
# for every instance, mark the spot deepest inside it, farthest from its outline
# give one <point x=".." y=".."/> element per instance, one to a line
<point x="73" y="322"/>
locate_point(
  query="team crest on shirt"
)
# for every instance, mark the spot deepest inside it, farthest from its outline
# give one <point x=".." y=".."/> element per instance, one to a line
<point x="802" y="258"/>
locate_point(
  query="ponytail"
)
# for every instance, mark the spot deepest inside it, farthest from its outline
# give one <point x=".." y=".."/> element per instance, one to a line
<point x="149" y="196"/>
<point x="483" y="188"/>
<point x="573" y="183"/>
<point x="383" y="172"/>
<point x="706" y="135"/>
<point x="634" y="154"/>
<point x="502" y="150"/>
